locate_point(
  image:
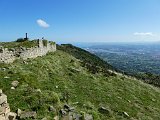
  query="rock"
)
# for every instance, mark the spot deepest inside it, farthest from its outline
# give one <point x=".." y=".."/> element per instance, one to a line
<point x="68" y="108"/>
<point x="63" y="112"/>
<point x="2" y="110"/>
<point x="70" y="116"/>
<point x="11" y="116"/>
<point x="51" y="108"/>
<point x="71" y="109"/>
<point x="15" y="84"/>
<point x="75" y="103"/>
<point x="2" y="117"/>
<point x="3" y="69"/>
<point x="88" y="117"/>
<point x="1" y="92"/>
<point x="6" y="107"/>
<point x="44" y="118"/>
<point x="153" y="99"/>
<point x="74" y="70"/>
<point x="104" y="110"/>
<point x="6" y="77"/>
<point x="56" y="118"/>
<point x="3" y="98"/>
<point x="23" y="48"/>
<point x="5" y="113"/>
<point x="25" y="115"/>
<point x="77" y="116"/>
<point x="12" y="88"/>
<point x="12" y="49"/>
<point x="19" y="111"/>
<point x="125" y="114"/>
<point x="24" y="62"/>
<point x="38" y="90"/>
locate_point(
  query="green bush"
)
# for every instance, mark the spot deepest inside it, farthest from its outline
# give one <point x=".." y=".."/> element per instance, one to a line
<point x="45" y="42"/>
<point x="21" y="40"/>
<point x="52" y="43"/>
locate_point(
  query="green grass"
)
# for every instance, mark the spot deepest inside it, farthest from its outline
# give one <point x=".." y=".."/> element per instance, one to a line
<point x="62" y="78"/>
<point x="27" y="44"/>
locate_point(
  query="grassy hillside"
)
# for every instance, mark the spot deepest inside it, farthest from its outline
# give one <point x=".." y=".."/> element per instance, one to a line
<point x="74" y="76"/>
<point x="14" y="44"/>
<point x="91" y="61"/>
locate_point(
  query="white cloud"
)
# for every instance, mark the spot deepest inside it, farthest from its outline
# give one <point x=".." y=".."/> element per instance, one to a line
<point x="143" y="34"/>
<point x="42" y="23"/>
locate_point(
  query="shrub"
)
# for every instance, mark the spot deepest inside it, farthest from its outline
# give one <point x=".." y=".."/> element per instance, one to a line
<point x="21" y="40"/>
<point x="52" y="43"/>
<point x="45" y="42"/>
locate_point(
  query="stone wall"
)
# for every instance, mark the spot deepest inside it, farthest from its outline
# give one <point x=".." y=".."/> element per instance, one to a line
<point x="7" y="56"/>
<point x="5" y="113"/>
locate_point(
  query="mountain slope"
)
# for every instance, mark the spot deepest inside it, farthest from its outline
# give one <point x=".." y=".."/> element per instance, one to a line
<point x="91" y="61"/>
<point x="63" y="77"/>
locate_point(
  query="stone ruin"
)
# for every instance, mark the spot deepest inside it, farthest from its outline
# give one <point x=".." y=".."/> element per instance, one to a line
<point x="5" y="113"/>
<point x="9" y="56"/>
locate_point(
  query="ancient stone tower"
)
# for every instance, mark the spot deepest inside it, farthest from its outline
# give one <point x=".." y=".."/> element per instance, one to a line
<point x="26" y="38"/>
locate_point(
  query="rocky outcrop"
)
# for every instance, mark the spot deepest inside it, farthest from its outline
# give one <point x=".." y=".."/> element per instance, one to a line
<point x="5" y="113"/>
<point x="69" y="113"/>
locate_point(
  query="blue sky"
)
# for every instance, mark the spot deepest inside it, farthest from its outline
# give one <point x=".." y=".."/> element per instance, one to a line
<point x="81" y="20"/>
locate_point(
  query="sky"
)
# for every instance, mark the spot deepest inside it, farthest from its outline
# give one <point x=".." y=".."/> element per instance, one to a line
<point x="68" y="21"/>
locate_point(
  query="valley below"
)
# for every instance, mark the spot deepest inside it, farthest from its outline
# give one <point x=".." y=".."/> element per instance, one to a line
<point x="130" y="58"/>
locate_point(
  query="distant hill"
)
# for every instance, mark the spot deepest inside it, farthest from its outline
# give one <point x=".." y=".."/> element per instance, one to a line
<point x="79" y="79"/>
